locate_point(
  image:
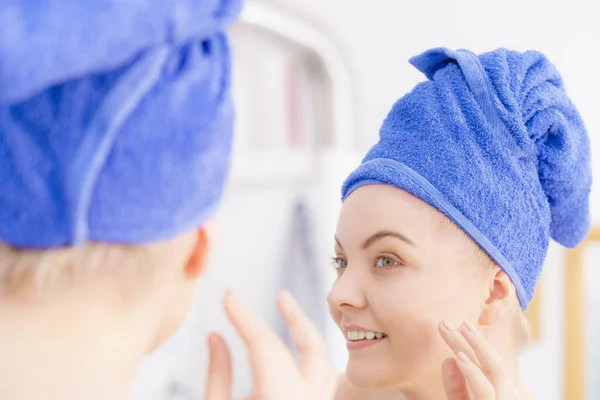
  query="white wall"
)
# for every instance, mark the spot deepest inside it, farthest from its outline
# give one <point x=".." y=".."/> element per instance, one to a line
<point x="377" y="38"/>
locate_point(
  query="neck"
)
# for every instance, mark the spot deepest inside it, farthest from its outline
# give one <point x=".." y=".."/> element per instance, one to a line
<point x="73" y="346"/>
<point x="431" y="387"/>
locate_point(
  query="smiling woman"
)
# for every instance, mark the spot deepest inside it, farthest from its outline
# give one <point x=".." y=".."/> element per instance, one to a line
<point x="445" y="225"/>
<point x="401" y="285"/>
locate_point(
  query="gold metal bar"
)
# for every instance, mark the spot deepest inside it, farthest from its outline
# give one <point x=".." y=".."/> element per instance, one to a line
<point x="575" y="382"/>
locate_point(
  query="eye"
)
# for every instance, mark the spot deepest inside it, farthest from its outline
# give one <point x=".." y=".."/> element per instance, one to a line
<point x="339" y="263"/>
<point x="386" y="262"/>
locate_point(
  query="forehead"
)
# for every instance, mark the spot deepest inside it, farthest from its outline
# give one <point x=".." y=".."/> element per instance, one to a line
<point x="372" y="208"/>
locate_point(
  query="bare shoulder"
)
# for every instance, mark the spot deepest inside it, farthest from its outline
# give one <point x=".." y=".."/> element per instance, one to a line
<point x="348" y="391"/>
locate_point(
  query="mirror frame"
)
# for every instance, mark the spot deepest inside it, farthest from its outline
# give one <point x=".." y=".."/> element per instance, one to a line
<point x="575" y="346"/>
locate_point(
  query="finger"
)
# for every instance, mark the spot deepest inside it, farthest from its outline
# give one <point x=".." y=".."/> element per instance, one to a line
<point x="476" y="380"/>
<point x="218" y="384"/>
<point x="489" y="359"/>
<point x="453" y="380"/>
<point x="306" y="336"/>
<point x="313" y="357"/>
<point x="456" y="341"/>
<point x="272" y="363"/>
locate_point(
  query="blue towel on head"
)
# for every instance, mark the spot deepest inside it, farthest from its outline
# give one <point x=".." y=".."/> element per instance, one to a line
<point x="494" y="143"/>
<point x="115" y="119"/>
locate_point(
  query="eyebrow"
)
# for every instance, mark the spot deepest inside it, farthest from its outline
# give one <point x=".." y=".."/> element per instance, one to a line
<point x="378" y="236"/>
<point x="383" y="234"/>
<point x="338" y="242"/>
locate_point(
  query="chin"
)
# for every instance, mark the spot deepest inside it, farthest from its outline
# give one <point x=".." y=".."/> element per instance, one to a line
<point x="381" y="375"/>
<point x="367" y="375"/>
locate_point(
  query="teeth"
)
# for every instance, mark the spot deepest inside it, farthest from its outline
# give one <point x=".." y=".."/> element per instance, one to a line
<point x="362" y="335"/>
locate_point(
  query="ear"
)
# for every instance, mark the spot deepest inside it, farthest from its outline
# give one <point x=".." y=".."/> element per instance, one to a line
<point x="501" y="295"/>
<point x="198" y="258"/>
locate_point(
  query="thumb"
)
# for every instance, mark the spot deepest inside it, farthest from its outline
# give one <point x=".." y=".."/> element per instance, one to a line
<point x="218" y="383"/>
<point x="454" y="382"/>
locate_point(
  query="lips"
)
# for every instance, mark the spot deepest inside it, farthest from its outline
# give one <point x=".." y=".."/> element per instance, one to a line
<point x="359" y="337"/>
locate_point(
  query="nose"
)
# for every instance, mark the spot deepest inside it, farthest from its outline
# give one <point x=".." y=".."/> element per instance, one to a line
<point x="347" y="292"/>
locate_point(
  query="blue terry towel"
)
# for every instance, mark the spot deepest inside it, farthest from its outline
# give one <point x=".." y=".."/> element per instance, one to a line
<point x="115" y="118"/>
<point x="494" y="143"/>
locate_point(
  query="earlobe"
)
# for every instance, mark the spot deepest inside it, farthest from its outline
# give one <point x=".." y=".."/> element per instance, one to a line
<point x="499" y="297"/>
<point x="198" y="258"/>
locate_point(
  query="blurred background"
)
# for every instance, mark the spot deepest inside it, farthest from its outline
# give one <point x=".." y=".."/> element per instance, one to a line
<point x="313" y="82"/>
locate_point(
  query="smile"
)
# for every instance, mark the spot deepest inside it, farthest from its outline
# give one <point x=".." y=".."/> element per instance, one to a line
<point x="361" y="339"/>
<point x="364" y="335"/>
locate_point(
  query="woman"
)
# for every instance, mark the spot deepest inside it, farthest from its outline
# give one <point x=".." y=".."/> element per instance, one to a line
<point x="446" y="224"/>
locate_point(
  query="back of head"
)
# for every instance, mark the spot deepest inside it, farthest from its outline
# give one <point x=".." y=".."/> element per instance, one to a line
<point x="115" y="127"/>
<point x="121" y="138"/>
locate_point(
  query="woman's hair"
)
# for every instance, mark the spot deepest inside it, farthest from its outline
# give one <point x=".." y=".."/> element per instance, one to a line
<point x="39" y="271"/>
<point x="522" y="332"/>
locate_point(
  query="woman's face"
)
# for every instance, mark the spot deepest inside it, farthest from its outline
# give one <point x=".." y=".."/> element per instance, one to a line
<point x="401" y="271"/>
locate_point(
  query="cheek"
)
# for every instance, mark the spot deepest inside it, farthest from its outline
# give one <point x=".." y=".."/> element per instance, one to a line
<point x="444" y="292"/>
<point x="413" y="348"/>
<point x="455" y="296"/>
<point x="408" y="317"/>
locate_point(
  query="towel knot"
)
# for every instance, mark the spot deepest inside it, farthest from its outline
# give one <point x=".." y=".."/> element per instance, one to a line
<point x="522" y="95"/>
<point x="533" y="102"/>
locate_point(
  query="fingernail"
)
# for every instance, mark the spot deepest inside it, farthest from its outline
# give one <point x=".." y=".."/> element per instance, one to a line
<point x="284" y="296"/>
<point x="447" y="326"/>
<point x="234" y="302"/>
<point x="234" y="297"/>
<point x="463" y="357"/>
<point x="212" y="340"/>
<point x="468" y="326"/>
<point x="227" y="294"/>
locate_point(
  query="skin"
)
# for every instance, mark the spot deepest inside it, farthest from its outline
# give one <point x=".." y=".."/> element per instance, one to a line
<point x="402" y="270"/>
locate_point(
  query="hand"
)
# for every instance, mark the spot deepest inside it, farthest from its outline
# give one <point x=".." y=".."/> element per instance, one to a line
<point x="276" y="374"/>
<point x="478" y="371"/>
